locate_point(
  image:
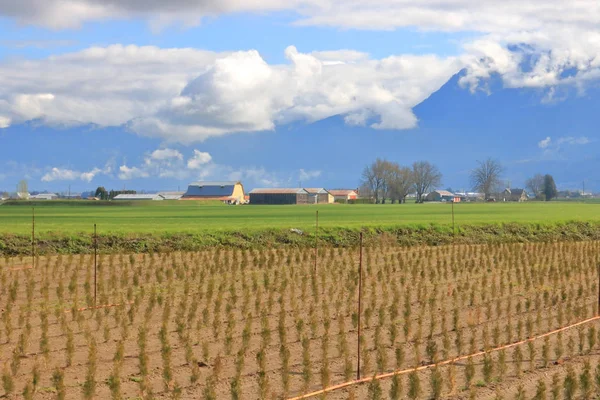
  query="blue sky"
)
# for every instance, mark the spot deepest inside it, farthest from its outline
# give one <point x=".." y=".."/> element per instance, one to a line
<point x="276" y="93"/>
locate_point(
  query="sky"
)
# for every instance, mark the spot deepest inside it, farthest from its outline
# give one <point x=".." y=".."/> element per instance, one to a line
<point x="152" y="95"/>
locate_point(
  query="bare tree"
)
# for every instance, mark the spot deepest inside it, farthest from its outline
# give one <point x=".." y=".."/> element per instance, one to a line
<point x="387" y="171"/>
<point x="373" y="179"/>
<point x="535" y="184"/>
<point x="425" y="177"/>
<point x="401" y="182"/>
<point x="486" y="177"/>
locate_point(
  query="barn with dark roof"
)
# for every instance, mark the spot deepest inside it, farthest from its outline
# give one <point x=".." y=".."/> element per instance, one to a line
<point x="223" y="191"/>
<point x="279" y="196"/>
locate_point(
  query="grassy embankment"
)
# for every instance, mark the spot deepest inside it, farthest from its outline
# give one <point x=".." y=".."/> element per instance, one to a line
<point x="65" y="227"/>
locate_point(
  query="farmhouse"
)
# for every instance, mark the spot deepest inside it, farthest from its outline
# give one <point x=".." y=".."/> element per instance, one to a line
<point x="514" y="195"/>
<point x="224" y="191"/>
<point x="440" y="195"/>
<point x="138" y="197"/>
<point x="319" y="196"/>
<point x="279" y="196"/>
<point x="343" y="195"/>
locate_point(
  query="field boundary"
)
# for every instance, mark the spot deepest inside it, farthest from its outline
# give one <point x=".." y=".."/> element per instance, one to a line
<point x="427" y="235"/>
<point x="438" y="364"/>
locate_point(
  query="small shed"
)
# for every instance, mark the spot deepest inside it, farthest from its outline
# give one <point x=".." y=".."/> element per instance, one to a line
<point x="319" y="196"/>
<point x="279" y="196"/>
<point x="139" y="197"/>
<point x="440" y="195"/>
<point x="343" y="195"/>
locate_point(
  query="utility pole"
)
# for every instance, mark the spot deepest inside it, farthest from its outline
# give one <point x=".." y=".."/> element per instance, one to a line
<point x="359" y="305"/>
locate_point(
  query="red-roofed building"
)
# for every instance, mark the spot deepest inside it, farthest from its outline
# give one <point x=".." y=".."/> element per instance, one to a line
<point x="344" y="195"/>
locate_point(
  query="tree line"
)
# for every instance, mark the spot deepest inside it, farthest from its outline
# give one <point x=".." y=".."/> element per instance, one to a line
<point x="102" y="194"/>
<point x="385" y="180"/>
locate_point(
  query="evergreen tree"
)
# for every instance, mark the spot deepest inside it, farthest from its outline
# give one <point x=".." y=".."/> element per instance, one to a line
<point x="549" y="187"/>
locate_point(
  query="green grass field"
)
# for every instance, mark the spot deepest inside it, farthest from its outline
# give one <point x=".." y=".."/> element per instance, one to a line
<point x="198" y="217"/>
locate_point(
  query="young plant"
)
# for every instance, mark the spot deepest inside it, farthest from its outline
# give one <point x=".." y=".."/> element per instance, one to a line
<point x="520" y="395"/>
<point x="585" y="381"/>
<point x="555" y="391"/>
<point x="469" y="371"/>
<point x="518" y="358"/>
<point x="8" y="383"/>
<point x="437" y="382"/>
<point x="374" y="390"/>
<point x="58" y="380"/>
<point x="540" y="391"/>
<point x="570" y="384"/>
<point x="396" y="388"/>
<point x="414" y="385"/>
<point x="488" y="368"/>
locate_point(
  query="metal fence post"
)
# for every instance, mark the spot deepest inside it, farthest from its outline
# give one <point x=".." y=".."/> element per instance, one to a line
<point x="32" y="237"/>
<point x="316" y="241"/>
<point x="359" y="304"/>
<point x="95" y="265"/>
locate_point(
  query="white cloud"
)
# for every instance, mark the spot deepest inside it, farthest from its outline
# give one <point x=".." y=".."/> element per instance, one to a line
<point x="241" y="92"/>
<point x="60" y="14"/>
<point x="166" y="154"/>
<point x="168" y="163"/>
<point x="570" y="140"/>
<point x="185" y="95"/>
<point x="65" y="174"/>
<point x="198" y="160"/>
<point x="340" y="56"/>
<point x="449" y="15"/>
<point x="257" y="176"/>
<point x="127" y="173"/>
<point x="552" y="148"/>
<point x="4" y="122"/>
<point x="305" y="175"/>
<point x="542" y="144"/>
<point x="105" y="86"/>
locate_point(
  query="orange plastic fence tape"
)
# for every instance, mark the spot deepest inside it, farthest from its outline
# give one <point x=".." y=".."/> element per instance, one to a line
<point x="441" y="363"/>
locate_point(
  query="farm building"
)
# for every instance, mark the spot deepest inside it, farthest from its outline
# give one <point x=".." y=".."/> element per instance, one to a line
<point x="440" y="195"/>
<point x="514" y="195"/>
<point x="344" y="195"/>
<point x="279" y="196"/>
<point x="224" y="191"/>
<point x="319" y="196"/>
<point x="139" y="197"/>
<point x="171" y="195"/>
<point x="19" y="196"/>
<point x="44" y="196"/>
